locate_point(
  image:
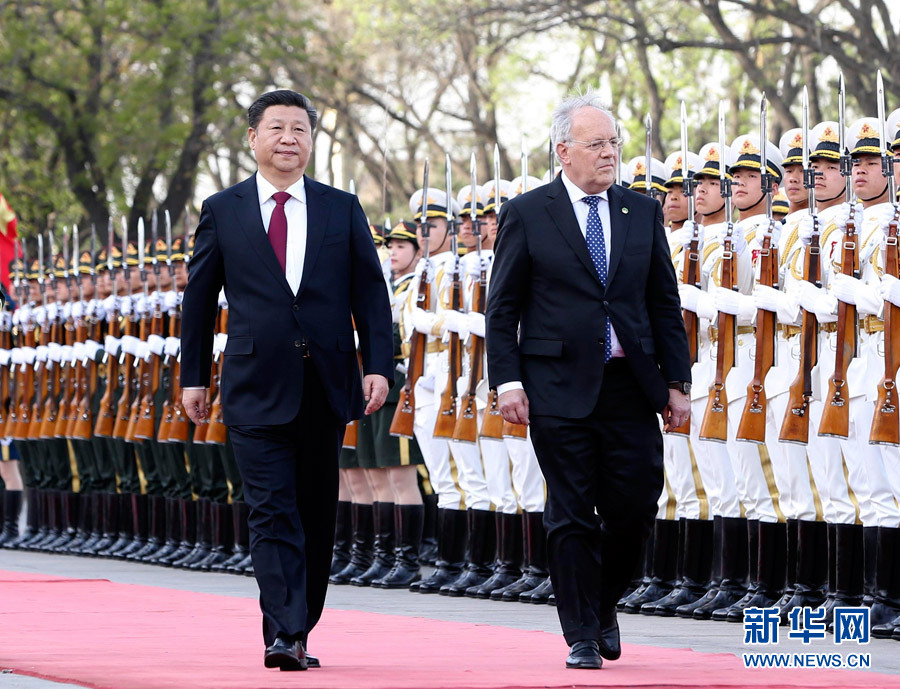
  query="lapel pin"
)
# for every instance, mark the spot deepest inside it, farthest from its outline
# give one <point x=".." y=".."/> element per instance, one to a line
<point x="625" y="211"/>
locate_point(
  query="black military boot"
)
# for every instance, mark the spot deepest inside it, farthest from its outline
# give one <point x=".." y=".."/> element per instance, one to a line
<point x="451" y="552"/>
<point x="771" y="569"/>
<point x="222" y="538"/>
<point x="140" y="525"/>
<point x="70" y="515"/>
<point x="188" y="536"/>
<point x="870" y="558"/>
<point x="733" y="566"/>
<point x="50" y="526"/>
<point x="12" y="507"/>
<point x="507" y="569"/>
<point x="124" y="526"/>
<point x="83" y="529"/>
<point x="790" y="582"/>
<point x="429" y="547"/>
<point x="92" y="503"/>
<point x="482" y="545"/>
<point x="202" y="537"/>
<point x="848" y="587"/>
<point x="539" y="595"/>
<point x="240" y="511"/>
<point x="32" y="520"/>
<point x="534" y="569"/>
<point x="696" y="569"/>
<point x="811" y="577"/>
<point x="641" y="578"/>
<point x="886" y="608"/>
<point x="109" y="504"/>
<point x="157" y="531"/>
<point x="384" y="544"/>
<point x="663" y="566"/>
<point x="408" y="527"/>
<point x="343" y="537"/>
<point x="361" y="550"/>
<point x="721" y="615"/>
<point x="173" y="533"/>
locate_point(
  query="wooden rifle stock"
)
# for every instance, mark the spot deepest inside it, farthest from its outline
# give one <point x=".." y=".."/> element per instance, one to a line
<point x="40" y="382"/>
<point x="466" y="429"/>
<point x="51" y="407"/>
<point x="78" y="383"/>
<point x="84" y="421"/>
<point x="140" y="382"/>
<point x="216" y="430"/>
<point x="123" y="407"/>
<point x="752" y="427"/>
<point x="446" y="418"/>
<point x="5" y="382"/>
<point x="402" y="423"/>
<point x="690" y="276"/>
<point x="885" y="426"/>
<point x="145" y="427"/>
<point x="167" y="415"/>
<point x="795" y="426"/>
<point x="715" y="419"/>
<point x="835" y="421"/>
<point x="492" y="423"/>
<point x="26" y="399"/>
<point x="514" y="430"/>
<point x="106" y="416"/>
<point x="351" y="435"/>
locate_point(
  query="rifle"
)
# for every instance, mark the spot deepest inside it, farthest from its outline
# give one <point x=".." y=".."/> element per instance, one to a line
<point x="795" y="426"/>
<point x="202" y="429"/>
<point x="126" y="360"/>
<point x="15" y="375"/>
<point x="715" y="420"/>
<point x="446" y="418"/>
<point x="885" y="427"/>
<point x="105" y="415"/>
<point x="140" y="360"/>
<point x="79" y="368"/>
<point x="144" y="429"/>
<point x="40" y="366"/>
<point x="466" y="429"/>
<point x="84" y="418"/>
<point x="752" y="427"/>
<point x="66" y="367"/>
<point x="216" y="431"/>
<point x="25" y="383"/>
<point x="493" y="425"/>
<point x="179" y="426"/>
<point x="835" y="420"/>
<point x="402" y="423"/>
<point x="690" y="274"/>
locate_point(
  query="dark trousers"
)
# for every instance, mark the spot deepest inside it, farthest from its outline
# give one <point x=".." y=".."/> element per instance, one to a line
<point x="290" y="475"/>
<point x="604" y="475"/>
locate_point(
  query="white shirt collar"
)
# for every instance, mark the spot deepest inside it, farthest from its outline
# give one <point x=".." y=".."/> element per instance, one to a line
<point x="576" y="193"/>
<point x="266" y="189"/>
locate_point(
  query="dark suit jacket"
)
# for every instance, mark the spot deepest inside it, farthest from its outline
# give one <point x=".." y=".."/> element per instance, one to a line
<point x="546" y="305"/>
<point x="269" y="327"/>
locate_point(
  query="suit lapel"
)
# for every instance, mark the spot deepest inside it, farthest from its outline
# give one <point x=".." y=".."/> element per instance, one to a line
<point x="619" y="218"/>
<point x="251" y="224"/>
<point x="560" y="209"/>
<point x="317" y="212"/>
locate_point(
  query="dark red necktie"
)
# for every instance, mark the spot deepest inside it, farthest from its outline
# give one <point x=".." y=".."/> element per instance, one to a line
<point x="278" y="227"/>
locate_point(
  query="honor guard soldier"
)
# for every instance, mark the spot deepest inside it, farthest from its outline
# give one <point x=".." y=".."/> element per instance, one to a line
<point x="637" y="174"/>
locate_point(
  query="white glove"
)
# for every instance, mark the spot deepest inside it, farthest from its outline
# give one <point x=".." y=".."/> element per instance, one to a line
<point x="24" y="314"/>
<point x="142" y="350"/>
<point x="139" y="305"/>
<point x="738" y="242"/>
<point x="91" y="349"/>
<point x="52" y="311"/>
<point x="223" y="302"/>
<point x="889" y="289"/>
<point x="109" y="304"/>
<point x="55" y="352"/>
<point x="97" y="309"/>
<point x="171" y="301"/>
<point x="112" y="345"/>
<point x="843" y="216"/>
<point x="475" y="323"/>
<point x="818" y="301"/>
<point x="474" y="266"/>
<point x="805" y="229"/>
<point x="423" y="321"/>
<point x="695" y="299"/>
<point x="397" y="308"/>
<point x="6" y="320"/>
<point x="67" y="310"/>
<point x="39" y="315"/>
<point x="219" y="343"/>
<point x="771" y="299"/>
<point x="156" y="344"/>
<point x="42" y="352"/>
<point x="66" y="354"/>
<point x="130" y="344"/>
<point x="848" y="289"/>
<point x="77" y="310"/>
<point x="78" y="351"/>
<point x="29" y="354"/>
<point x="173" y="346"/>
<point x="5" y="356"/>
<point x="454" y="322"/>
<point x="686" y="234"/>
<point x="424" y="264"/>
<point x="125" y="304"/>
<point x="16" y="356"/>
<point x="734" y="303"/>
<point x="885" y="213"/>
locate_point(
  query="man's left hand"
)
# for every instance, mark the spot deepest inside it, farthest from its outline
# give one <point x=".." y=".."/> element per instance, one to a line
<point x="677" y="411"/>
<point x="375" y="390"/>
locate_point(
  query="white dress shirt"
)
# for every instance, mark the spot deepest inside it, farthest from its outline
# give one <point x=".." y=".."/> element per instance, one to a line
<point x="295" y="212"/>
<point x="576" y="195"/>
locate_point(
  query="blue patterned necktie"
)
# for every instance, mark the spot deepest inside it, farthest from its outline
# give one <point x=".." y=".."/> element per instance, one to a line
<point x="597" y="246"/>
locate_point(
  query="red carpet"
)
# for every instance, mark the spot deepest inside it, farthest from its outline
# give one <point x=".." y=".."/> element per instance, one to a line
<point x="100" y="634"/>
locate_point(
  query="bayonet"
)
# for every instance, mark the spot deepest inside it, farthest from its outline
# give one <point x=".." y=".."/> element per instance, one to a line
<point x="154" y="239"/>
<point x="725" y="191"/>
<point x="75" y="256"/>
<point x="142" y="270"/>
<point x="423" y="222"/>
<point x="473" y="205"/>
<point x="765" y="176"/>
<point x="497" y="201"/>
<point x="846" y="161"/>
<point x="687" y="176"/>
<point x="648" y="155"/>
<point x="352" y="187"/>
<point x="887" y="156"/>
<point x="169" y="264"/>
<point x="552" y="161"/>
<point x="126" y="269"/>
<point x="92" y="271"/>
<point x="40" y="271"/>
<point x="524" y="159"/>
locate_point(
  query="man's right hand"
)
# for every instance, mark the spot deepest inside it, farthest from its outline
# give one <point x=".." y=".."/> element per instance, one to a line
<point x="514" y="406"/>
<point x="194" y="402"/>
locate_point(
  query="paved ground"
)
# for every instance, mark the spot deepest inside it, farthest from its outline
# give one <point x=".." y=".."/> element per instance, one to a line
<point x="715" y="637"/>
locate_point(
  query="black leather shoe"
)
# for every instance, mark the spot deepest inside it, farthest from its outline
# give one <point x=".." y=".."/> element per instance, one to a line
<point x="584" y="655"/>
<point x="285" y="655"/>
<point x="610" y="647"/>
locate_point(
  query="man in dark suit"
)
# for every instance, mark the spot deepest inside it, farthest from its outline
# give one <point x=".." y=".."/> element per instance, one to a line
<point x="296" y="260"/>
<point x="586" y="342"/>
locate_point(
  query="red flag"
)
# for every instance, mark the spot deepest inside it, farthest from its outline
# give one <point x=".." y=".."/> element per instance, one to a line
<point x="7" y="240"/>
